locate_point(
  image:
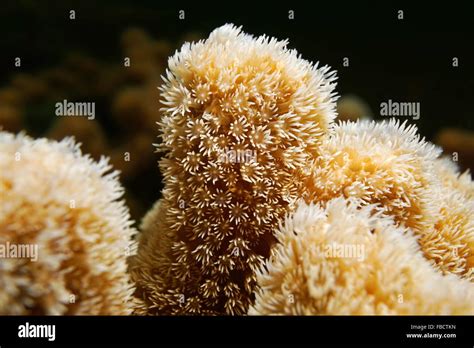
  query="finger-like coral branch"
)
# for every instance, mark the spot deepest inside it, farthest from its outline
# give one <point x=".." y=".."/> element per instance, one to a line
<point x="243" y="117"/>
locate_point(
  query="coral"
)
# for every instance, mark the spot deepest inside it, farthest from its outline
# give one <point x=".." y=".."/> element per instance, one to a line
<point x="11" y="96"/>
<point x="133" y="157"/>
<point x="135" y="109"/>
<point x="450" y="243"/>
<point x="68" y="206"/>
<point x="29" y="86"/>
<point x="389" y="165"/>
<point x="448" y="173"/>
<point x="380" y="163"/>
<point x="154" y="243"/>
<point x="124" y="95"/>
<point x="247" y="129"/>
<point x="88" y="132"/>
<point x="147" y="56"/>
<point x="242" y="117"/>
<point x="347" y="259"/>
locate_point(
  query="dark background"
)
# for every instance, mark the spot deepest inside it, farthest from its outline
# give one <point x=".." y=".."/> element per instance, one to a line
<point x="406" y="60"/>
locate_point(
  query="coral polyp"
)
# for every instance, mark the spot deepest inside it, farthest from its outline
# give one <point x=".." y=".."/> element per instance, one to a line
<point x="66" y="210"/>
<point x="384" y="163"/>
<point x="450" y="243"/>
<point x="269" y="204"/>
<point x="388" y="164"/>
<point x="349" y="258"/>
<point x="242" y="118"/>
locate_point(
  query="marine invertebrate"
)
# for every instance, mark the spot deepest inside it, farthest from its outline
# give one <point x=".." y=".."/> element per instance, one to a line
<point x="135" y="109"/>
<point x="88" y="132"/>
<point x="147" y="56"/>
<point x="124" y="91"/>
<point x="156" y="241"/>
<point x="452" y="179"/>
<point x="31" y="87"/>
<point x="68" y="208"/>
<point x="242" y="118"/>
<point x="133" y="157"/>
<point x="383" y="163"/>
<point x="450" y="243"/>
<point x="11" y="96"/>
<point x="348" y="259"/>
<point x="390" y="165"/>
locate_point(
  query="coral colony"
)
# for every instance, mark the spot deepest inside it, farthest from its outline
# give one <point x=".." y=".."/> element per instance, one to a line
<point x="269" y="206"/>
<point x="394" y="278"/>
<point x="230" y="96"/>
<point x="66" y="205"/>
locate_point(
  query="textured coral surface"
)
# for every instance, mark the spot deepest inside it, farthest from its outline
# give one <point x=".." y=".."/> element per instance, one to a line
<point x="242" y="118"/>
<point x="67" y="205"/>
<point x="385" y="163"/>
<point x="450" y="243"/>
<point x="344" y="259"/>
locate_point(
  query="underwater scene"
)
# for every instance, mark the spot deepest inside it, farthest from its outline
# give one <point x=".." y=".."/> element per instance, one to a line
<point x="192" y="161"/>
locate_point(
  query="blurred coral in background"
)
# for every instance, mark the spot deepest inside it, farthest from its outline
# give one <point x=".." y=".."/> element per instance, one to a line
<point x="458" y="144"/>
<point x="352" y="108"/>
<point x="127" y="103"/>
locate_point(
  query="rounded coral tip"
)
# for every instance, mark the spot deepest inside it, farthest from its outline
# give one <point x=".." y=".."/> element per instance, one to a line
<point x="64" y="232"/>
<point x="342" y="258"/>
<point x="242" y="118"/>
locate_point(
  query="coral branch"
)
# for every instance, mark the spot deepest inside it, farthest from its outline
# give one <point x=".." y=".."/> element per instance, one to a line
<point x="243" y="117"/>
